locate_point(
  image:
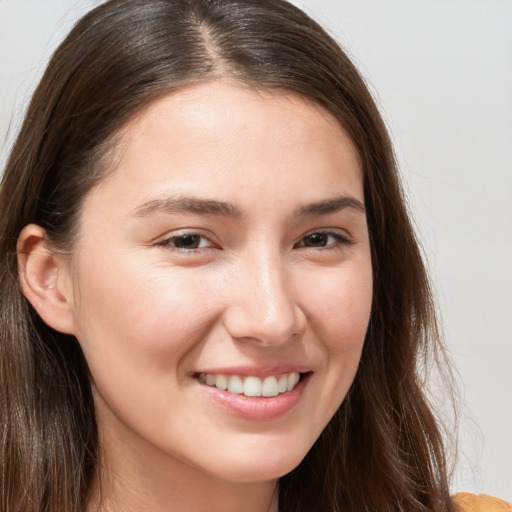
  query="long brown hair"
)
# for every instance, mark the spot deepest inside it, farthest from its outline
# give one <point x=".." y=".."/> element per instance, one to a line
<point x="383" y="448"/>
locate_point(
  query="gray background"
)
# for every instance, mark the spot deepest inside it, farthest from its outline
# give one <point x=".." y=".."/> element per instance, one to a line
<point x="441" y="71"/>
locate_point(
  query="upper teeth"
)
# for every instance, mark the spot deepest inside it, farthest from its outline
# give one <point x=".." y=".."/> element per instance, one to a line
<point x="253" y="386"/>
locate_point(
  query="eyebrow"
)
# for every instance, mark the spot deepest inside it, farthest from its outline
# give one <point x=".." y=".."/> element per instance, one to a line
<point x="331" y="206"/>
<point x="188" y="205"/>
<point x="214" y="207"/>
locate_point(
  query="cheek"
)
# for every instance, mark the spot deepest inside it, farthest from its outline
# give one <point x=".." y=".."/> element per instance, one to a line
<point x="340" y="307"/>
<point x="146" y="321"/>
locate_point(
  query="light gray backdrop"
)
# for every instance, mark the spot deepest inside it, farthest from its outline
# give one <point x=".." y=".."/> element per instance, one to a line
<point x="442" y="74"/>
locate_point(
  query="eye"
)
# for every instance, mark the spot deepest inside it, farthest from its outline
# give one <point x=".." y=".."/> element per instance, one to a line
<point x="187" y="242"/>
<point x="324" y="240"/>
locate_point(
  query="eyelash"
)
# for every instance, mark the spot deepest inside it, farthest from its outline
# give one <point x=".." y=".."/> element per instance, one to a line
<point x="171" y="241"/>
<point x="341" y="241"/>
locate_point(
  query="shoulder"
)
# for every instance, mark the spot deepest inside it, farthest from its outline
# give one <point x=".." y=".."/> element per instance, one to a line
<point x="468" y="502"/>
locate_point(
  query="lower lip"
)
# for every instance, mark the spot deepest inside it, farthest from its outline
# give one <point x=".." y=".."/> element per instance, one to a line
<point x="257" y="408"/>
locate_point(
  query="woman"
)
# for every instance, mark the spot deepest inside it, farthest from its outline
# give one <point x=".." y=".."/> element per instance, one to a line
<point x="212" y="295"/>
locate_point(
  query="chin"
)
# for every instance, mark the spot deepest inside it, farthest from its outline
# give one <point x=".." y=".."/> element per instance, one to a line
<point x="261" y="466"/>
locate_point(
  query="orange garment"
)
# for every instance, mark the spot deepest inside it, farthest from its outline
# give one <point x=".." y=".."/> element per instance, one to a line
<point x="468" y="502"/>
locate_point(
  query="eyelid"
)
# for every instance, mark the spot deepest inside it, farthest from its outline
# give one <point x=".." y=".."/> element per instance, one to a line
<point x="166" y="241"/>
<point x="343" y="239"/>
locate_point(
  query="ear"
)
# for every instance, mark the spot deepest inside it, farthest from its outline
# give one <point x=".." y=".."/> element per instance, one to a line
<point x="45" y="279"/>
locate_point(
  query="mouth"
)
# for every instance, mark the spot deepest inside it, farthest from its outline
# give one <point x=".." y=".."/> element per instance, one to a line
<point x="255" y="397"/>
<point x="253" y="386"/>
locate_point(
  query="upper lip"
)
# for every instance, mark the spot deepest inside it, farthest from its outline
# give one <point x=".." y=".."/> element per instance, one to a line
<point x="256" y="370"/>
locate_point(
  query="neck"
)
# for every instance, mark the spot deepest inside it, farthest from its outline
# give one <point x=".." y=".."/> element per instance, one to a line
<point x="123" y="496"/>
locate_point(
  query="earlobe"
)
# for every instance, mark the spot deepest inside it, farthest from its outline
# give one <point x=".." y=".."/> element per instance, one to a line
<point x="45" y="279"/>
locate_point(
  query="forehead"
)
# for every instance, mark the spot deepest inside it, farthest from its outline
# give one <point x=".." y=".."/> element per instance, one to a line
<point x="228" y="139"/>
<point x="240" y="111"/>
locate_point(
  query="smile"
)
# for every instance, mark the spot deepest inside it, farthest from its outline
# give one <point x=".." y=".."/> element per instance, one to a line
<point x="252" y="386"/>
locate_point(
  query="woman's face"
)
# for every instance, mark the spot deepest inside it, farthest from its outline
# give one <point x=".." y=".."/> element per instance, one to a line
<point x="228" y="247"/>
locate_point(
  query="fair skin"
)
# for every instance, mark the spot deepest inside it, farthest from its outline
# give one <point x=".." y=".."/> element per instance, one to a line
<point x="227" y="246"/>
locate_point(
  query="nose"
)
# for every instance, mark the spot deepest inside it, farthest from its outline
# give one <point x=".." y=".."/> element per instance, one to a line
<point x="265" y="303"/>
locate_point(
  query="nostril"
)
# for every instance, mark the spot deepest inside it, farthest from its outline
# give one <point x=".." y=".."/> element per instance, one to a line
<point x="244" y="322"/>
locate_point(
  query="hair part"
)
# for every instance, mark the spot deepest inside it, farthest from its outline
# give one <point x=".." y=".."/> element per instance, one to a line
<point x="383" y="448"/>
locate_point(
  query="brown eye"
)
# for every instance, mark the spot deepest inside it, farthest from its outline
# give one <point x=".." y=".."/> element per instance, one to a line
<point x="316" y="240"/>
<point x="324" y="239"/>
<point x="186" y="241"/>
